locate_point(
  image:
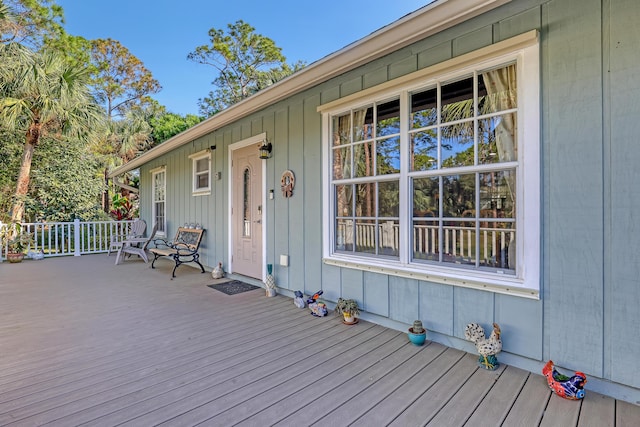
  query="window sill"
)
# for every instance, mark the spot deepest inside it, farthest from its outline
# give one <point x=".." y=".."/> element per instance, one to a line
<point x="508" y="285"/>
<point x="201" y="193"/>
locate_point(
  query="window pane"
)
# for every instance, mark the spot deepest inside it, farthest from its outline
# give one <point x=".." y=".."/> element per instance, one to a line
<point x="459" y="242"/>
<point x="344" y="199"/>
<point x="203" y="181"/>
<point x="363" y="124"/>
<point x="389" y="238"/>
<point x="341" y="129"/>
<point x="424" y="150"/>
<point x="366" y="236"/>
<point x="158" y="186"/>
<point x="344" y="235"/>
<point x="497" y="245"/>
<point x="426" y="240"/>
<point x="497" y="90"/>
<point x="202" y="165"/>
<point x="497" y="194"/>
<point x="342" y="163"/>
<point x="425" y="197"/>
<point x="497" y="140"/>
<point x="388" y="155"/>
<point x="457" y="100"/>
<point x="246" y="202"/>
<point x="424" y="110"/>
<point x="159" y="218"/>
<point x="458" y="195"/>
<point x="457" y="145"/>
<point x="388" y="118"/>
<point x="388" y="198"/>
<point x="363" y="159"/>
<point x="365" y="200"/>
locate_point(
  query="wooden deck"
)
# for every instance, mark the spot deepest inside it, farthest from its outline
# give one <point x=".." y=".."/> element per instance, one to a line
<point x="83" y="341"/>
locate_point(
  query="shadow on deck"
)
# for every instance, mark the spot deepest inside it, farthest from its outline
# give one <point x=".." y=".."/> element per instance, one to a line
<point x="84" y="341"/>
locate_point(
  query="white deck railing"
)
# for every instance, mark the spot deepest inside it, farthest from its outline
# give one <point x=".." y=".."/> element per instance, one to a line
<point x="72" y="238"/>
<point x="459" y="242"/>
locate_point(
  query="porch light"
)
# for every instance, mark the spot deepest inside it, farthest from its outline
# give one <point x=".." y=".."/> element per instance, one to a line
<point x="265" y="149"/>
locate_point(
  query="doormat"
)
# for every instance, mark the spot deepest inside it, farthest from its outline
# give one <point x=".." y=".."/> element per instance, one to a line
<point x="233" y="287"/>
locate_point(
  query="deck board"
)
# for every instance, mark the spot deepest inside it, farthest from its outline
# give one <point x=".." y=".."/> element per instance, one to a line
<point x="597" y="411"/>
<point x="103" y="345"/>
<point x="495" y="406"/>
<point x="530" y="405"/>
<point x="462" y="405"/>
<point x="401" y="398"/>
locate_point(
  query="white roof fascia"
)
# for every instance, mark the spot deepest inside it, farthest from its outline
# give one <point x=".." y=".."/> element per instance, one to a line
<point x="428" y="20"/>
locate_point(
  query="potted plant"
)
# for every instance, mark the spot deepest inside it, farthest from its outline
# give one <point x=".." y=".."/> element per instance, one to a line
<point x="349" y="310"/>
<point x="417" y="333"/>
<point x="16" y="242"/>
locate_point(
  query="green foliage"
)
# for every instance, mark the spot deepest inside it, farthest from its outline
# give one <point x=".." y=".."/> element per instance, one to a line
<point x="30" y="22"/>
<point x="122" y="208"/>
<point x="120" y="79"/>
<point x="15" y="239"/>
<point x="347" y="306"/>
<point x="66" y="183"/>
<point x="242" y="59"/>
<point x="42" y="96"/>
<point x="169" y="124"/>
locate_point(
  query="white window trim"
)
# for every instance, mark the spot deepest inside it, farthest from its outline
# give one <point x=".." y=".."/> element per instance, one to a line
<point x="161" y="169"/>
<point x="526" y="283"/>
<point x="204" y="191"/>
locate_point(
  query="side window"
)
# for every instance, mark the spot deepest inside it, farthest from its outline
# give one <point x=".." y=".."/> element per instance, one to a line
<point x="159" y="199"/>
<point x="201" y="169"/>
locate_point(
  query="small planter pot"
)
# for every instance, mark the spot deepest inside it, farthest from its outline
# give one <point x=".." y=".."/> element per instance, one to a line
<point x="13" y="257"/>
<point x="348" y="319"/>
<point x="417" y="339"/>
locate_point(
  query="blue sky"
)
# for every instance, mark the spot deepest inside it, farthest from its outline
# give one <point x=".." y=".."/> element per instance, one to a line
<point x="161" y="33"/>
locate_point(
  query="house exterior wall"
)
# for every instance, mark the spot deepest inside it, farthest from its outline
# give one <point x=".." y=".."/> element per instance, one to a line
<point x="587" y="315"/>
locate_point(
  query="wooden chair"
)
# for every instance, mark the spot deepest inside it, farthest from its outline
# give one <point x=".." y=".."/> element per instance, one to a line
<point x="130" y="246"/>
<point x="138" y="226"/>
<point x="184" y="248"/>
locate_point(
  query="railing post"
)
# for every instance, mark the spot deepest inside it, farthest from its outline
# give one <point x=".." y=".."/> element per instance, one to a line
<point x="76" y="237"/>
<point x="5" y="248"/>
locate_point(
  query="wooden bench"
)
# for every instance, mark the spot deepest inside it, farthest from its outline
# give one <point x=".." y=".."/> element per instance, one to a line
<point x="183" y="248"/>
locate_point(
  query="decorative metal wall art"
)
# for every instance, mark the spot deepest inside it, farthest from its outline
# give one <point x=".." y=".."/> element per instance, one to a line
<point x="287" y="182"/>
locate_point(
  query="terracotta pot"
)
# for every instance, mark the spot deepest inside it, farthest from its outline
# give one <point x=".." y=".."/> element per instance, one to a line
<point x="14" y="257"/>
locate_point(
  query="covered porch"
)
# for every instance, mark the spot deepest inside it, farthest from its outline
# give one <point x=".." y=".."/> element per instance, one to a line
<point x="85" y="341"/>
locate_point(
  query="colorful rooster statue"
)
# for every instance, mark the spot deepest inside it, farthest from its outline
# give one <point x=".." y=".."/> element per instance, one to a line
<point x="571" y="388"/>
<point x="487" y="347"/>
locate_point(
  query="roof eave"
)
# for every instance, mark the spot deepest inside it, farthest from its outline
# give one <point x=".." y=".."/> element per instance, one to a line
<point x="428" y="20"/>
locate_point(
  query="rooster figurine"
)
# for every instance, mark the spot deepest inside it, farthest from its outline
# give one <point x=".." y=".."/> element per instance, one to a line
<point x="488" y="348"/>
<point x="568" y="387"/>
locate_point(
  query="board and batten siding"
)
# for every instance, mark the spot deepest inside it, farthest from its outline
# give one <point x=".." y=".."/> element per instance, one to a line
<point x="587" y="315"/>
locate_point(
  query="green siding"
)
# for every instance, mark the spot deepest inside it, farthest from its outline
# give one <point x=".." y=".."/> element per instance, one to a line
<point x="574" y="119"/>
<point x="623" y="195"/>
<point x="590" y="292"/>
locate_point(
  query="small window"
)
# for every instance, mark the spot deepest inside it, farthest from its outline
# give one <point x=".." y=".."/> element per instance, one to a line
<point x="201" y="173"/>
<point x="159" y="198"/>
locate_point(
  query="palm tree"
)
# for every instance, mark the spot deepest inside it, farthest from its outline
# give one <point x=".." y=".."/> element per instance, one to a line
<point x="42" y="96"/>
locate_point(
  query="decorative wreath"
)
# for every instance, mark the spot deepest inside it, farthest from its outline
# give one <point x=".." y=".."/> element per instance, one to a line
<point x="287" y="182"/>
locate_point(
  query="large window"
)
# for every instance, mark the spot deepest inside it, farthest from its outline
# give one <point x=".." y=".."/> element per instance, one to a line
<point x="430" y="179"/>
<point x="159" y="197"/>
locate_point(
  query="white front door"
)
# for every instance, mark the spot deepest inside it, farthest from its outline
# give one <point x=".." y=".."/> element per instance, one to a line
<point x="246" y="212"/>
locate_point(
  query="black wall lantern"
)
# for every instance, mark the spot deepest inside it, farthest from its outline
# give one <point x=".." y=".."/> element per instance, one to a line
<point x="265" y="150"/>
